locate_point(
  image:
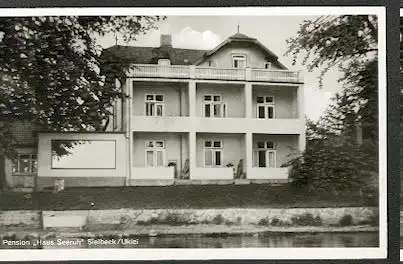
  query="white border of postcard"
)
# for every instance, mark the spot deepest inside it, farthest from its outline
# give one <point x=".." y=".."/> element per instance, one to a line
<point x="401" y="250"/>
<point x="232" y="253"/>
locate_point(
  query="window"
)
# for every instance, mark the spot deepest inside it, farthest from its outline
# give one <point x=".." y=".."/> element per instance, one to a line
<point x="238" y="61"/>
<point x="154" y="105"/>
<point x="265" y="107"/>
<point x="155" y="153"/>
<point x="25" y="164"/>
<point x="267" y="65"/>
<point x="265" y="155"/>
<point x="212" y="153"/>
<point x="213" y="106"/>
<point x="211" y="64"/>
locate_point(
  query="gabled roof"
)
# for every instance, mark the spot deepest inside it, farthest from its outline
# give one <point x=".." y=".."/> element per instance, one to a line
<point x="239" y="37"/>
<point x="150" y="55"/>
<point x="177" y="56"/>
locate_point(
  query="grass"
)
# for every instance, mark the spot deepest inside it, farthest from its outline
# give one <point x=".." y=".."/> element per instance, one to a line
<point x="181" y="196"/>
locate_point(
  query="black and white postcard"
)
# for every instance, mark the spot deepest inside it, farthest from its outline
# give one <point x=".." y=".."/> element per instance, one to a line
<point x="193" y="133"/>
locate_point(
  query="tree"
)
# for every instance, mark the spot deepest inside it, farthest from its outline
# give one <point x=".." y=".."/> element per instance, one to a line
<point x="52" y="72"/>
<point x="332" y="159"/>
<point x="349" y="43"/>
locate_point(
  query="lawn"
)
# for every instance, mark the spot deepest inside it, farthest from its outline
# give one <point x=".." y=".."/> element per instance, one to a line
<point x="181" y="196"/>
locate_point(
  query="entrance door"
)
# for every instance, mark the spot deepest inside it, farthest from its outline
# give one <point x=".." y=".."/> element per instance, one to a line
<point x="266" y="158"/>
<point x="270" y="159"/>
<point x="262" y="158"/>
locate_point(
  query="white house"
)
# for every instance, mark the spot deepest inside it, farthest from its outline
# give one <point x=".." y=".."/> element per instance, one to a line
<point x="233" y="114"/>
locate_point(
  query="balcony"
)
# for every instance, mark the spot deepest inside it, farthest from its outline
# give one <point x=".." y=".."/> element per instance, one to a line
<point x="209" y="73"/>
<point x="256" y="173"/>
<point x="151" y="173"/>
<point x="217" y="125"/>
<point x="211" y="174"/>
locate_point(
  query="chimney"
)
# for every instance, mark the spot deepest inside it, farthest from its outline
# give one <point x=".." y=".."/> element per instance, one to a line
<point x="166" y="40"/>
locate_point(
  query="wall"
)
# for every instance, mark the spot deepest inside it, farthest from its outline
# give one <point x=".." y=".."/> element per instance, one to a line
<point x="285" y="99"/>
<point x="173" y="147"/>
<point x="284" y="146"/>
<point x="27" y="219"/>
<point x="232" y="95"/>
<point x="255" y="58"/>
<point x="233" y="147"/>
<point x="45" y="156"/>
<point x="173" y="97"/>
<point x="19" y="180"/>
<point x="329" y="216"/>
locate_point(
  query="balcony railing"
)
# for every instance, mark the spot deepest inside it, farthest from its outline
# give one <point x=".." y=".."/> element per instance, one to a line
<point x="217" y="125"/>
<point x="219" y="74"/>
<point x="210" y="73"/>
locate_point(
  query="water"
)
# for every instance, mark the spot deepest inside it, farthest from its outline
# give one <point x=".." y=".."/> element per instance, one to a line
<point x="359" y="239"/>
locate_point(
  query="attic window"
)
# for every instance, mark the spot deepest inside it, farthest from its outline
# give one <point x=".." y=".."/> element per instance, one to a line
<point x="211" y="63"/>
<point x="164" y="62"/>
<point x="238" y="61"/>
<point x="267" y="65"/>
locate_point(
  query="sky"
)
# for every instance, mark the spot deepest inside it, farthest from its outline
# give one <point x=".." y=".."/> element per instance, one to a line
<point x="206" y="32"/>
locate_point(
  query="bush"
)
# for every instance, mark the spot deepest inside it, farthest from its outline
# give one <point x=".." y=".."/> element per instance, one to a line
<point x="171" y="219"/>
<point x="218" y="220"/>
<point x="228" y="222"/>
<point x="175" y="220"/>
<point x="346" y="220"/>
<point x="276" y="222"/>
<point x="306" y="219"/>
<point x="263" y="222"/>
<point x="151" y="221"/>
<point x="333" y="165"/>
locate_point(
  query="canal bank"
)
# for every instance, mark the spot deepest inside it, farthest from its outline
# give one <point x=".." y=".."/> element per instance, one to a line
<point x="190" y="220"/>
<point x="237" y="227"/>
<point x="167" y="230"/>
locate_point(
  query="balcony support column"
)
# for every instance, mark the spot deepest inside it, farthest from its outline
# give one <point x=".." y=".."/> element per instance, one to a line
<point x="301" y="116"/>
<point x="300" y="100"/>
<point x="192" y="98"/>
<point x="248" y="100"/>
<point x="249" y="154"/>
<point x="129" y="131"/>
<point x="192" y="153"/>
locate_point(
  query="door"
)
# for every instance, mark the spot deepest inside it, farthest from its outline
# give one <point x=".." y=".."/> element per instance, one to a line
<point x="270" y="159"/>
<point x="266" y="158"/>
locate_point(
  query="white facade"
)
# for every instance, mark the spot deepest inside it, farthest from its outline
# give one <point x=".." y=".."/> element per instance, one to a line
<point x="201" y="105"/>
<point x="236" y="114"/>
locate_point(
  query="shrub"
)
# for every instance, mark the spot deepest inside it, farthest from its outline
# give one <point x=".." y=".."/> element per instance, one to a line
<point x="333" y="164"/>
<point x="275" y="222"/>
<point x="228" y="222"/>
<point x="263" y="222"/>
<point x="306" y="219"/>
<point x="218" y="220"/>
<point x="175" y="219"/>
<point x="346" y="220"/>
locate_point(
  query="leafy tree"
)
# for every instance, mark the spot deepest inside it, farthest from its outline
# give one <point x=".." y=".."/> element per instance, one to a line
<point x="332" y="159"/>
<point x="52" y="72"/>
<point x="351" y="44"/>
